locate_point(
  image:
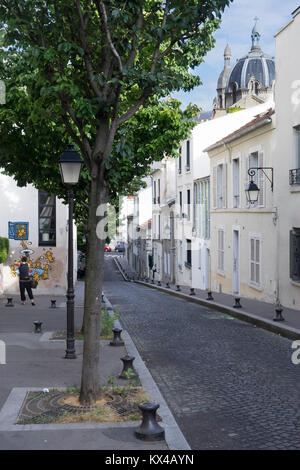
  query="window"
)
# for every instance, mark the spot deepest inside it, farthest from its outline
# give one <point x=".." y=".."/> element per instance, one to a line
<point x="159" y="226"/>
<point x="180" y="203"/>
<point x="154" y="192"/>
<point x="47" y="219"/>
<point x="295" y="254"/>
<point x="188" y="262"/>
<point x="188" y="156"/>
<point x="221" y="250"/>
<point x="158" y="191"/>
<point x="236" y="183"/>
<point x="188" y="199"/>
<point x="255" y="256"/>
<point x="255" y="160"/>
<point x="221" y="186"/>
<point x="202" y="208"/>
<point x="180" y="162"/>
<point x="234" y="93"/>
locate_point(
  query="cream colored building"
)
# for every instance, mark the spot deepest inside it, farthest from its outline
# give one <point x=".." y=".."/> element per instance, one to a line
<point x="244" y="236"/>
<point x="287" y="160"/>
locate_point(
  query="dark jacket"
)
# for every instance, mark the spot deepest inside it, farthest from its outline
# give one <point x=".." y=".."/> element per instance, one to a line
<point x="24" y="272"/>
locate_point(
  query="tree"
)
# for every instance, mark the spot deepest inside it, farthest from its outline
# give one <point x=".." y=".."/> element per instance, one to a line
<point x="94" y="65"/>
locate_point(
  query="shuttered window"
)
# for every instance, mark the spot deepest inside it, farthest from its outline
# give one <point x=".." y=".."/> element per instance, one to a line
<point x="255" y="261"/>
<point x="221" y="250"/>
<point x="295" y="254"/>
<point x="236" y="183"/>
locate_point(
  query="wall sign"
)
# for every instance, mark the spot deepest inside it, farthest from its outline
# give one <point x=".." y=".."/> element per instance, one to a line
<point x="18" y="230"/>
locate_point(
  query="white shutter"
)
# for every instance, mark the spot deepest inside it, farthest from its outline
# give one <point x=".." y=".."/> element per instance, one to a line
<point x="261" y="180"/>
<point x="214" y="187"/>
<point x="224" y="186"/>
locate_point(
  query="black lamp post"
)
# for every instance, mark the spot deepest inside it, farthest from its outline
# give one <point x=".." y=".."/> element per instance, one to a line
<point x="70" y="165"/>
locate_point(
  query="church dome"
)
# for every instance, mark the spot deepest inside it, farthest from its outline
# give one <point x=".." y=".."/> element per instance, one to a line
<point x="256" y="66"/>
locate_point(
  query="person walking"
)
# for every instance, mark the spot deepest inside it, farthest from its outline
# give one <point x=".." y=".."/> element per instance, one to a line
<point x="24" y="280"/>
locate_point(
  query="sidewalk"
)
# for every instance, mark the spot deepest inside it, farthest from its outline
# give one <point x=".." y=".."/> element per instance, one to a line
<point x="34" y="362"/>
<point x="254" y="311"/>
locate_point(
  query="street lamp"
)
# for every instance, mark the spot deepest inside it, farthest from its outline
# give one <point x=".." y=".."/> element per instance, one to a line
<point x="252" y="190"/>
<point x="70" y="165"/>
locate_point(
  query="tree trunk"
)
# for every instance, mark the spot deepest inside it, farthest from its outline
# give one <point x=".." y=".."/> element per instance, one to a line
<point x="93" y="289"/>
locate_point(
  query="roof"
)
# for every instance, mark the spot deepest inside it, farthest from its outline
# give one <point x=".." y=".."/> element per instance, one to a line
<point x="259" y="120"/>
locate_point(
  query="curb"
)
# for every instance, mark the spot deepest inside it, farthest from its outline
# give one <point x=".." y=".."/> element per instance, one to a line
<point x="173" y="436"/>
<point x="285" y="331"/>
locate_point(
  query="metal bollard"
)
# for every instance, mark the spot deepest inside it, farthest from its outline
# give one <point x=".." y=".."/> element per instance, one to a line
<point x="117" y="341"/>
<point x="279" y="316"/>
<point x="128" y="370"/>
<point x="167" y="285"/>
<point x="237" y="303"/>
<point x="178" y="288"/>
<point x="9" y="302"/>
<point x="159" y="283"/>
<point x="149" y="430"/>
<point x="209" y="296"/>
<point x="38" y="326"/>
<point x="192" y="291"/>
<point x="53" y="304"/>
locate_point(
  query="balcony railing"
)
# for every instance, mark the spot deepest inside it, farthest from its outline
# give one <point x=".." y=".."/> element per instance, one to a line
<point x="295" y="176"/>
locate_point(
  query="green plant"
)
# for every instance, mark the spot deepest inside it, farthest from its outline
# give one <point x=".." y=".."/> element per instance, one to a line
<point x="107" y="322"/>
<point x="4" y="249"/>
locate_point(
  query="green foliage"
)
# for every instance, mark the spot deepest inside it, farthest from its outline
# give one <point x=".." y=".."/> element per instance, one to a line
<point x="4" y="249"/>
<point x="107" y="322"/>
<point x="66" y="79"/>
<point x="234" y="109"/>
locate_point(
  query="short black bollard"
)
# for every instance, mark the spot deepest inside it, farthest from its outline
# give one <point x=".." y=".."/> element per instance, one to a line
<point x="209" y="296"/>
<point x="279" y="316"/>
<point x="167" y="285"/>
<point x="9" y="302"/>
<point x="152" y="282"/>
<point x="128" y="371"/>
<point x="237" y="303"/>
<point x="102" y="299"/>
<point x="149" y="430"/>
<point x="192" y="291"/>
<point x="178" y="288"/>
<point x="117" y="341"/>
<point x="53" y="304"/>
<point x="159" y="283"/>
<point x="38" y="326"/>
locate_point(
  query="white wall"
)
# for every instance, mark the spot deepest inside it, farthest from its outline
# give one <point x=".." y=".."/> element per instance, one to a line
<point x="21" y="205"/>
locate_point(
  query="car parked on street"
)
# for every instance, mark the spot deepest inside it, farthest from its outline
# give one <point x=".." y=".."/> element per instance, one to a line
<point x="107" y="248"/>
<point x="120" y="247"/>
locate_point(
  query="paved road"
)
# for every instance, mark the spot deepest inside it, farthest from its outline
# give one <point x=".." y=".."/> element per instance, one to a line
<point x="229" y="384"/>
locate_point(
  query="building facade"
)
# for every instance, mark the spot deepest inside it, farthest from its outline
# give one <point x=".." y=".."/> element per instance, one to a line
<point x="36" y="225"/>
<point x="287" y="161"/>
<point x="243" y="235"/>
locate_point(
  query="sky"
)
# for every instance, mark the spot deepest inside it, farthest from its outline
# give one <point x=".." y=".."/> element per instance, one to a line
<point x="235" y="29"/>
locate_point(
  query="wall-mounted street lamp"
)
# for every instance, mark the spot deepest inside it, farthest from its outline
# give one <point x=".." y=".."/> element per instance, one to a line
<point x="252" y="190"/>
<point x="70" y="165"/>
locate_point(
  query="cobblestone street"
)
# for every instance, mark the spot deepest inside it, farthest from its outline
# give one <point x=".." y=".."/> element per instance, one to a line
<point x="229" y="384"/>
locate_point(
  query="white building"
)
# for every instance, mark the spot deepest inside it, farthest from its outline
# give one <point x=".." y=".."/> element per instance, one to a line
<point x="243" y="235"/>
<point x="36" y="225"/>
<point x="287" y="160"/>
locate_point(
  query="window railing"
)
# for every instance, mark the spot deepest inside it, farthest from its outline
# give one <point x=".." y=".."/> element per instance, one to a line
<point x="295" y="176"/>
